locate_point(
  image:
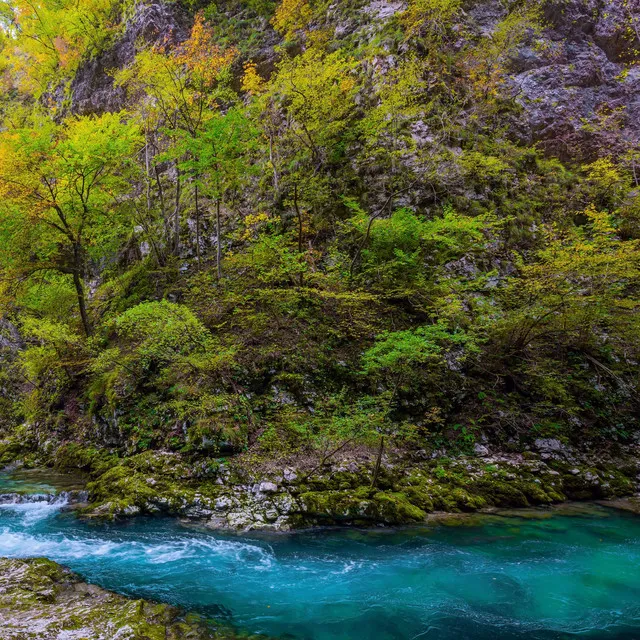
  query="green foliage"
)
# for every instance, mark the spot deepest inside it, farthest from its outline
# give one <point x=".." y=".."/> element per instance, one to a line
<point x="403" y="254"/>
<point x="164" y="360"/>
<point x="53" y="36"/>
<point x="583" y="282"/>
<point x="314" y="225"/>
<point x="57" y="183"/>
<point x="165" y="341"/>
<point x="402" y="359"/>
<point x="48" y="364"/>
<point x="431" y="18"/>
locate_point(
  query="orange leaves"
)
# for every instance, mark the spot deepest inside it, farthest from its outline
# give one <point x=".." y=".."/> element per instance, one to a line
<point x="184" y="85"/>
<point x="65" y="54"/>
<point x="199" y="54"/>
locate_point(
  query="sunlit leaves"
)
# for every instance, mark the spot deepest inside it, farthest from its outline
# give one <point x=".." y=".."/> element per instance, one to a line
<point x="181" y="85"/>
<point x="52" y="36"/>
<point x="62" y="186"/>
<point x="292" y="16"/>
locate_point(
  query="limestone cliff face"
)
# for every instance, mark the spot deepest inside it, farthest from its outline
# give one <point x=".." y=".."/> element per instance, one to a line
<point x="150" y="24"/>
<point x="577" y="75"/>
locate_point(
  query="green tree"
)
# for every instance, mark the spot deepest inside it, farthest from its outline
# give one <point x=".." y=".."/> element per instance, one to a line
<point x="219" y="160"/>
<point x="61" y="187"/>
<point x="306" y="112"/>
<point x="181" y="90"/>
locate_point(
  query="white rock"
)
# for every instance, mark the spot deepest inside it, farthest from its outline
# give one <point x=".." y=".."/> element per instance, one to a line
<point x="480" y="450"/>
<point x="239" y="520"/>
<point x="290" y="475"/>
<point x="223" y="503"/>
<point x="271" y="515"/>
<point x="549" y="444"/>
<point x="284" y="504"/>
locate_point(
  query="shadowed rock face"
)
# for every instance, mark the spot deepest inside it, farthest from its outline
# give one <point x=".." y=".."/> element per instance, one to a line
<point x="92" y="89"/>
<point x="579" y="72"/>
<point x="42" y="600"/>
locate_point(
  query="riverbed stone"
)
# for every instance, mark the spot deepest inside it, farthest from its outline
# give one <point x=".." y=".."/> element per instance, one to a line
<point x="41" y="600"/>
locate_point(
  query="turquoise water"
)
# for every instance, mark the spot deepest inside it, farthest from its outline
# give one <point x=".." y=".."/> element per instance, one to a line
<point x="573" y="575"/>
<point x="39" y="481"/>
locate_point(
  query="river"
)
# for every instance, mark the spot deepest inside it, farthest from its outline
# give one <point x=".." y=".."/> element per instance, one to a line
<point x="561" y="573"/>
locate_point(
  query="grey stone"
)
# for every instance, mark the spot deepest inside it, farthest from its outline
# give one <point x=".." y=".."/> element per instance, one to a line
<point x="481" y="450"/>
<point x="290" y="475"/>
<point x="267" y="487"/>
<point x="271" y="515"/>
<point x="223" y="502"/>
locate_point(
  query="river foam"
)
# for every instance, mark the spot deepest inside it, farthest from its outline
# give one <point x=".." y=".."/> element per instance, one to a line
<point x="32" y="508"/>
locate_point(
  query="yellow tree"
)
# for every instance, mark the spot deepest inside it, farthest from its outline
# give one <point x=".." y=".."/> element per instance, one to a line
<point x="50" y="37"/>
<point x="306" y="112"/>
<point x="292" y="16"/>
<point x="583" y="282"/>
<point x="58" y="198"/>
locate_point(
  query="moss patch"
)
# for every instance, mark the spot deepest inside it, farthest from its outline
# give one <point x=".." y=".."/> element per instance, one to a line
<point x="40" y="599"/>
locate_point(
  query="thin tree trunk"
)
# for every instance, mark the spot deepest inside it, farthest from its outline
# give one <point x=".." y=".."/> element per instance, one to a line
<point x="166" y="221"/>
<point x="198" y="230"/>
<point x="218" y="241"/>
<point x="327" y="456"/>
<point x="299" y="216"/>
<point x="79" y="287"/>
<point x="176" y="214"/>
<point x="147" y="169"/>
<point x="376" y="472"/>
<point x="276" y="182"/>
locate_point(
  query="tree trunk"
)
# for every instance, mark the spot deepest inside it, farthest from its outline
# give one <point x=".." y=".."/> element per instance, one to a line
<point x="276" y="181"/>
<point x="79" y="286"/>
<point x="376" y="472"/>
<point x="300" y="228"/>
<point x="176" y="215"/>
<point x="147" y="168"/>
<point x="198" y="230"/>
<point x="218" y="241"/>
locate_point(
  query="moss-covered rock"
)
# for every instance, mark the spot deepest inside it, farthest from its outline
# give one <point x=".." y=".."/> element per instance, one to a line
<point x="362" y="505"/>
<point x="73" y="456"/>
<point x="41" y="600"/>
<point x="249" y="493"/>
<point x="10" y="450"/>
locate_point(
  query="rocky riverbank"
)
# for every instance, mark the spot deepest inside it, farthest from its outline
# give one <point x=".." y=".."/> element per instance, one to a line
<point x="252" y="493"/>
<point x="40" y="600"/>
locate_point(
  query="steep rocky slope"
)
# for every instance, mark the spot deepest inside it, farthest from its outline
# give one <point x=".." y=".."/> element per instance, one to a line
<point x="576" y="76"/>
<point x="577" y="70"/>
<point x="396" y="232"/>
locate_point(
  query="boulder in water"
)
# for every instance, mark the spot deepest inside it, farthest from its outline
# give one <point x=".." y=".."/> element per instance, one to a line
<point x="41" y="600"/>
